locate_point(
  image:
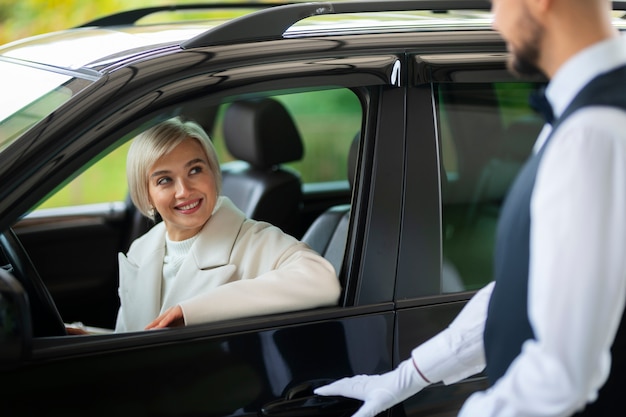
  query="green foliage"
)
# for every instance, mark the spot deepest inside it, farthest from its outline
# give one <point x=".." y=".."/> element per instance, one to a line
<point x="23" y="18"/>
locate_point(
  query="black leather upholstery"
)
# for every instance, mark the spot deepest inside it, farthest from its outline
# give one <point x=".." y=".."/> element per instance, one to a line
<point x="328" y="234"/>
<point x="262" y="135"/>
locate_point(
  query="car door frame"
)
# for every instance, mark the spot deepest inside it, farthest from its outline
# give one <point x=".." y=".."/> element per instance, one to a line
<point x="88" y="363"/>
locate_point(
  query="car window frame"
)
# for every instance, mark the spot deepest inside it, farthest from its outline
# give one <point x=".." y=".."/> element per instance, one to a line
<point x="133" y="114"/>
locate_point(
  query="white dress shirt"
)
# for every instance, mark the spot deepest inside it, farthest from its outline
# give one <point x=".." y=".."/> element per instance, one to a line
<point x="577" y="282"/>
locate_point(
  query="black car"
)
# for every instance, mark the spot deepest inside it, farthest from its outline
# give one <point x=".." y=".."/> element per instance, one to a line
<point x="412" y="130"/>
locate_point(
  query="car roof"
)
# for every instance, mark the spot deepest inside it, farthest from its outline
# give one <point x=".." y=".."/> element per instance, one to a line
<point x="120" y="36"/>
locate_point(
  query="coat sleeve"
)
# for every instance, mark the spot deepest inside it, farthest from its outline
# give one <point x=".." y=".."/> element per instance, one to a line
<point x="276" y="274"/>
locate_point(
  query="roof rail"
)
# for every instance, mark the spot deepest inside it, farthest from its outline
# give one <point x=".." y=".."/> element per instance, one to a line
<point x="131" y="17"/>
<point x="272" y="23"/>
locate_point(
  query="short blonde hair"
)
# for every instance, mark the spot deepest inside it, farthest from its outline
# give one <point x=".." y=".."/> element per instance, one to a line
<point x="156" y="142"/>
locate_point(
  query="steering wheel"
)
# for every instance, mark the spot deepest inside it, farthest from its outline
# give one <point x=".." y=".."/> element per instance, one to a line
<point x="46" y="320"/>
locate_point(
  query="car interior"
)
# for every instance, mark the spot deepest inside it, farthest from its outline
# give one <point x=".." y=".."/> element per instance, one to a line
<point x="262" y="136"/>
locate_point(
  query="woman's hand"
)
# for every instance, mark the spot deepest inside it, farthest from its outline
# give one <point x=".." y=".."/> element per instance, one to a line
<point x="172" y="317"/>
<point x="75" y="331"/>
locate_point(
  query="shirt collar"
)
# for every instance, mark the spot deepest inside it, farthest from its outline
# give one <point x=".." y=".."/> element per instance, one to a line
<point x="579" y="70"/>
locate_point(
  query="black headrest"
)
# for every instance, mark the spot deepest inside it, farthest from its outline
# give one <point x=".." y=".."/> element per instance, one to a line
<point x="262" y="133"/>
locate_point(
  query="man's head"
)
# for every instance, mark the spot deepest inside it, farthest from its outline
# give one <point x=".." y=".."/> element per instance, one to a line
<point x="542" y="34"/>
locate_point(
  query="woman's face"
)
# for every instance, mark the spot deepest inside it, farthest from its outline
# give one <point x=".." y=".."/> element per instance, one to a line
<point x="182" y="189"/>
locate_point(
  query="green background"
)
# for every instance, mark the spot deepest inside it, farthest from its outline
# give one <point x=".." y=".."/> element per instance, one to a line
<point x="22" y="18"/>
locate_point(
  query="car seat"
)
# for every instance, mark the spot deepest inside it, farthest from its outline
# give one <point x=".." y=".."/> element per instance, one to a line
<point x="262" y="135"/>
<point x="328" y="234"/>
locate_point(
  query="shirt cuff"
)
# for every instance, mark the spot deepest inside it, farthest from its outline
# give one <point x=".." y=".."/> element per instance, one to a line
<point x="437" y="360"/>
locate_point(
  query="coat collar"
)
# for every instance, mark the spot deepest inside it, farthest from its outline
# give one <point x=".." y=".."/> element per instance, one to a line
<point x="214" y="244"/>
<point x="218" y="236"/>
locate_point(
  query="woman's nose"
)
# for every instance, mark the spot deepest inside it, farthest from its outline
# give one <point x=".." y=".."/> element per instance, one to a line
<point x="182" y="188"/>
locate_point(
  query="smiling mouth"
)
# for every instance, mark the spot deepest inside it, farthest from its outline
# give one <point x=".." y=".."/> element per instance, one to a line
<point x="189" y="206"/>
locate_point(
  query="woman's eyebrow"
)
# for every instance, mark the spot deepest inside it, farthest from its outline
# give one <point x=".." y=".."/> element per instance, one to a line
<point x="187" y="165"/>
<point x="159" y="173"/>
<point x="196" y="161"/>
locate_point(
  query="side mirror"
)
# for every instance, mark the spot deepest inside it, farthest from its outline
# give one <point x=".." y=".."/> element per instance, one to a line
<point x="15" y="325"/>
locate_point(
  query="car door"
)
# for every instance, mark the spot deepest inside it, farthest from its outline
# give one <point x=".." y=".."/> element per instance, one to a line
<point x="469" y="136"/>
<point x="256" y="366"/>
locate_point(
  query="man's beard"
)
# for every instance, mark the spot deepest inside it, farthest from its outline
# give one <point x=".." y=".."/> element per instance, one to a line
<point x="524" y="60"/>
<point x="523" y="64"/>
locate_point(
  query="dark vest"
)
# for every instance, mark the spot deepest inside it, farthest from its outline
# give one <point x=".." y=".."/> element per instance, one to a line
<point x="507" y="326"/>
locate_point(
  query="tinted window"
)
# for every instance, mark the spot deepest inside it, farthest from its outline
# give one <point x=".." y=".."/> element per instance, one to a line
<point x="486" y="133"/>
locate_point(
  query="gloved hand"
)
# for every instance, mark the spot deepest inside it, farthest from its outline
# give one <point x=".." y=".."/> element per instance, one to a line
<point x="379" y="392"/>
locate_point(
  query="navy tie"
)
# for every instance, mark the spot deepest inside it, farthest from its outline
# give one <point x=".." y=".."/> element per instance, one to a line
<point x="541" y="105"/>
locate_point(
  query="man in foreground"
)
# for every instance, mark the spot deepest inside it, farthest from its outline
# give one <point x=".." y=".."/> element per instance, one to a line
<point x="548" y="331"/>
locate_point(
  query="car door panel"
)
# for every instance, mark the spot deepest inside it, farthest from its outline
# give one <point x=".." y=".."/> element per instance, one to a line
<point x="417" y="324"/>
<point x="442" y="400"/>
<point x="165" y="372"/>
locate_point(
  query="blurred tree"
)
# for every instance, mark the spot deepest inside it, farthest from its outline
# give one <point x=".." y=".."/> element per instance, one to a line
<point x="23" y="18"/>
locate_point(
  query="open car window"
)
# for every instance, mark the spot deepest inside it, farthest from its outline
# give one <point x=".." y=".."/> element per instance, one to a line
<point x="92" y="219"/>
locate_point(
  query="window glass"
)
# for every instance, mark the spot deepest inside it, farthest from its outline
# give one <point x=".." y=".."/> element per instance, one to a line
<point x="486" y="133"/>
<point x="37" y="94"/>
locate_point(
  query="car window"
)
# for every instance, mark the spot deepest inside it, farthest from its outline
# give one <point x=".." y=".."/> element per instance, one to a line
<point x="325" y="157"/>
<point x="487" y="130"/>
<point x="327" y="121"/>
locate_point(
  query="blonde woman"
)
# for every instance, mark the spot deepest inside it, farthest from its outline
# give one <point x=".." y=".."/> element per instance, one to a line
<point x="206" y="261"/>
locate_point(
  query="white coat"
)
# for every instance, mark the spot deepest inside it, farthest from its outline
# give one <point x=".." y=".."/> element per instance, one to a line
<point x="237" y="267"/>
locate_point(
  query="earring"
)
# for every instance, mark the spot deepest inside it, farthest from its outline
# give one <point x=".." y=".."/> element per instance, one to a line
<point x="151" y="212"/>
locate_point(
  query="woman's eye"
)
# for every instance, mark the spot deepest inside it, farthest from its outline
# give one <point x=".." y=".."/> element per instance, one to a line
<point x="163" y="181"/>
<point x="195" y="170"/>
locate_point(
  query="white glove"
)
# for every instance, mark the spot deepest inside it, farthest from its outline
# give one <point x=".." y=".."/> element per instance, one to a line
<point x="379" y="392"/>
